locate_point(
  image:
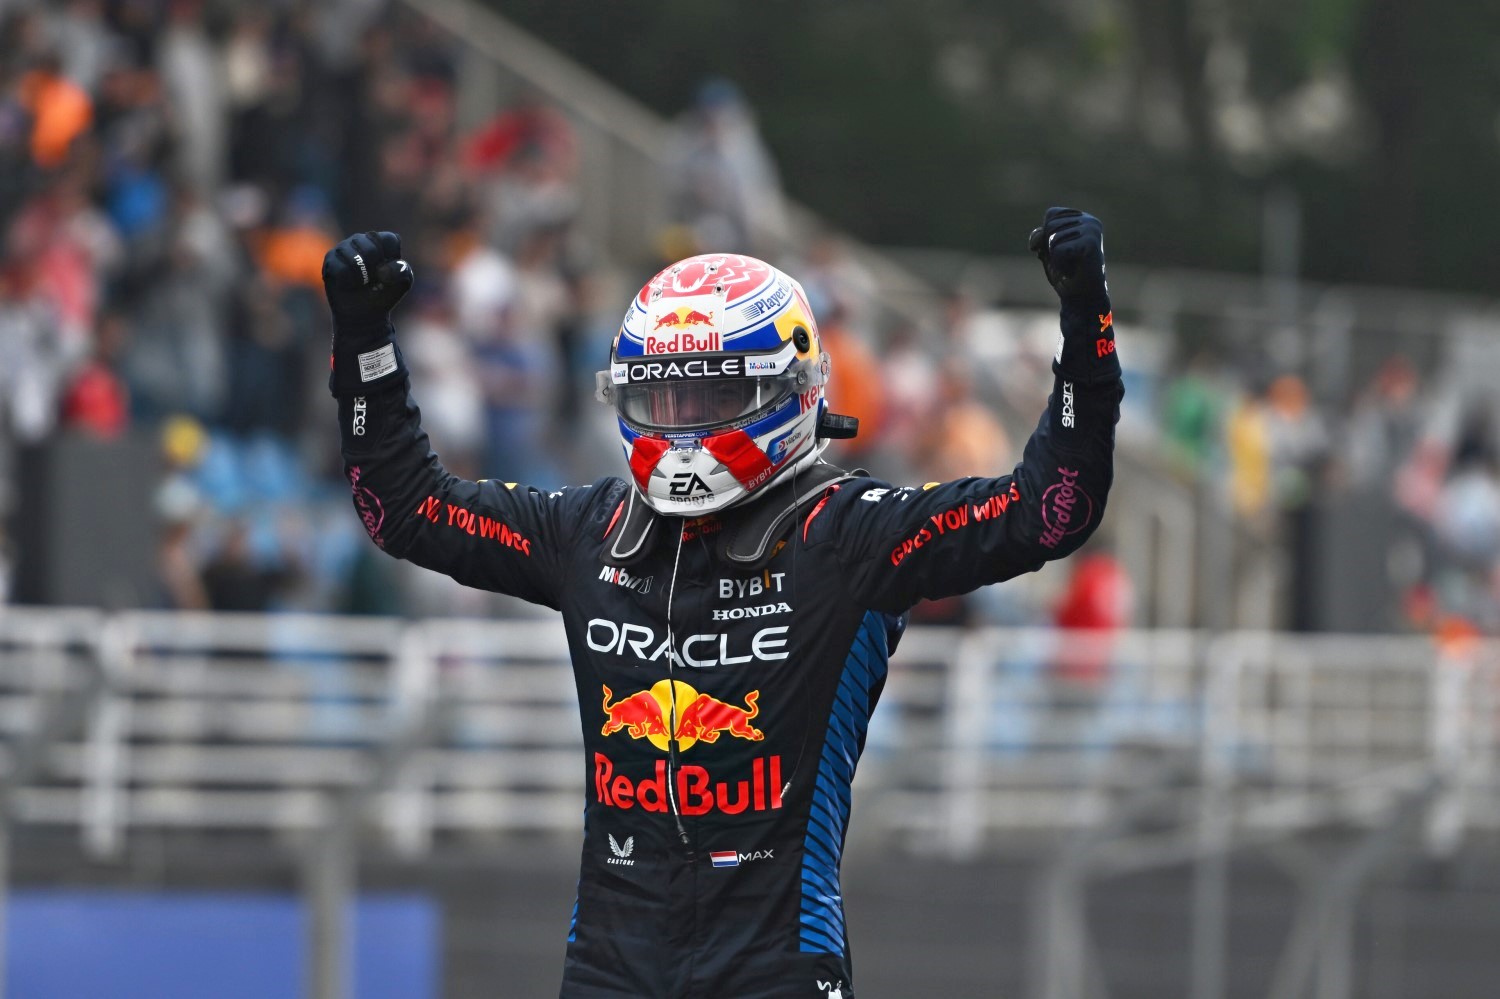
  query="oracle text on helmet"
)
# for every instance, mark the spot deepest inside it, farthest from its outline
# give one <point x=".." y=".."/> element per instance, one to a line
<point x="698" y="367"/>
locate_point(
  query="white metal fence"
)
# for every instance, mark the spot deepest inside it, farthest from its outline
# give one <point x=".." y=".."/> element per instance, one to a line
<point x="1112" y="754"/>
<point x="155" y="720"/>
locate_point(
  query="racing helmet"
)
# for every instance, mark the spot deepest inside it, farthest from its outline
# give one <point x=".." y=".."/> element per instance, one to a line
<point x="717" y="377"/>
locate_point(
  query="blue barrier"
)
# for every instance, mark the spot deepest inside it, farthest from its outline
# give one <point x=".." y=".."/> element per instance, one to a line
<point x="97" y="944"/>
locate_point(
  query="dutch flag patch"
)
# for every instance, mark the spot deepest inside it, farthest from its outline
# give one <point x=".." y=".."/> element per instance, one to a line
<point x="724" y="858"/>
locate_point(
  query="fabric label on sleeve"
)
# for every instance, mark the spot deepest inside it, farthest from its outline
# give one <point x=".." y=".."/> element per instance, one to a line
<point x="377" y="363"/>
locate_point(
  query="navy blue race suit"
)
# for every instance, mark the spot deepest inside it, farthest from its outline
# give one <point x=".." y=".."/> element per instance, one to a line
<point x="724" y="698"/>
<point x="713" y="870"/>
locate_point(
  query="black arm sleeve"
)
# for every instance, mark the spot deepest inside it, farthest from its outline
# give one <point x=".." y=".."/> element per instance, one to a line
<point x="491" y="535"/>
<point x="908" y="544"/>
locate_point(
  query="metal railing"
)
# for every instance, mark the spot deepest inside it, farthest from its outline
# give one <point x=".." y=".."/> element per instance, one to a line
<point x="157" y="720"/>
<point x="1108" y="754"/>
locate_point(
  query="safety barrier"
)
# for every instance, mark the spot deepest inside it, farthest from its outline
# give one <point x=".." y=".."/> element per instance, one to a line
<point x="113" y="722"/>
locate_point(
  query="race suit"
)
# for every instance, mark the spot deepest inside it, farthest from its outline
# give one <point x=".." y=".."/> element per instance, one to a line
<point x="710" y="862"/>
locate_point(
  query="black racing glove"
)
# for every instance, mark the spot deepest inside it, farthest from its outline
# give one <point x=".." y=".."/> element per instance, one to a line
<point x="364" y="277"/>
<point x="1070" y="245"/>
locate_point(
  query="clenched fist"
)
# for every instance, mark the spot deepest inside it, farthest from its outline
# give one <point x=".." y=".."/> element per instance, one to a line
<point x="1070" y="245"/>
<point x="364" y="277"/>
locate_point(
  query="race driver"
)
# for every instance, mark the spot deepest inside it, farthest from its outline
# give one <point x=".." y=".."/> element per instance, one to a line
<point x="731" y="602"/>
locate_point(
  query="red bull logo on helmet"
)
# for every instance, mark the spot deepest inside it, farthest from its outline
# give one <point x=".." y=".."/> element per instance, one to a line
<point x="683" y="316"/>
<point x="687" y="330"/>
<point x="650" y="714"/>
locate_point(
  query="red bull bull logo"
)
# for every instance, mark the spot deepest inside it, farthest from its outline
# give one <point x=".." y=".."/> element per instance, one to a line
<point x="649" y="714"/>
<point x="684" y="317"/>
<point x="684" y="340"/>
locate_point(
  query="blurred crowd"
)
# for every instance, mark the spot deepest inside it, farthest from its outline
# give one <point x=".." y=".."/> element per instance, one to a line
<point x="174" y="170"/>
<point x="1411" y="460"/>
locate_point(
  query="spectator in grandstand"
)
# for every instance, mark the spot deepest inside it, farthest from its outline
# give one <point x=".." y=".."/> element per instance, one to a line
<point x="1191" y="416"/>
<point x="248" y="67"/>
<point x="70" y="249"/>
<point x="264" y="351"/>
<point x="16" y="168"/>
<point x="911" y="383"/>
<point x="1247" y="442"/>
<point x="135" y="135"/>
<point x="96" y="400"/>
<point x="84" y="40"/>
<point x="443" y="367"/>
<point x="723" y="183"/>
<point x="192" y="75"/>
<point x="1384" y="425"/>
<point x="291" y="251"/>
<point x="60" y="110"/>
<point x="1298" y="449"/>
<point x="1468" y="508"/>
<point x="1098" y="601"/>
<point x="962" y="428"/>
<point x="178" y="576"/>
<point x="176" y="359"/>
<point x="180" y="510"/>
<point x="235" y="579"/>
<point x="859" y="390"/>
<point x="481" y="282"/>
<point x="35" y="363"/>
<point x="524" y="163"/>
<point x="516" y="357"/>
<point x="529" y="128"/>
<point x="838" y="282"/>
<point x="1298" y="441"/>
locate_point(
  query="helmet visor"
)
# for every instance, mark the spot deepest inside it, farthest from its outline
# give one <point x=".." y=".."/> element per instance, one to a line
<point x="701" y="403"/>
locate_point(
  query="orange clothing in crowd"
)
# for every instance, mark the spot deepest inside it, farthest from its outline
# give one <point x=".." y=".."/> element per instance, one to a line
<point x="295" y="255"/>
<point x="968" y="436"/>
<point x="61" y="111"/>
<point x="855" y="386"/>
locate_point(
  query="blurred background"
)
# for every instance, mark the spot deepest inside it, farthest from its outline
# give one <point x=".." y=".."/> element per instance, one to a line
<point x="1241" y="745"/>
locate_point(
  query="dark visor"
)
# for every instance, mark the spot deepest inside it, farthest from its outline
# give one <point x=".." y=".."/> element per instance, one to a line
<point x="706" y="402"/>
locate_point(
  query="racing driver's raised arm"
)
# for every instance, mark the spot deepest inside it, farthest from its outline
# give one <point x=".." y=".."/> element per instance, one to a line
<point x="491" y="535"/>
<point x="903" y="545"/>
